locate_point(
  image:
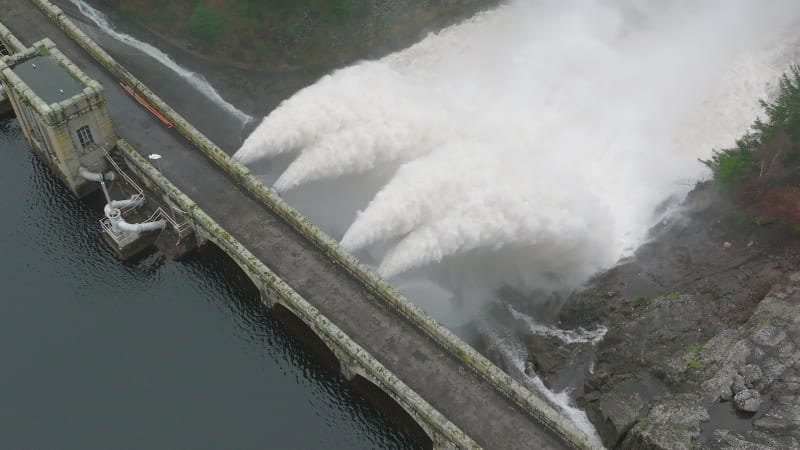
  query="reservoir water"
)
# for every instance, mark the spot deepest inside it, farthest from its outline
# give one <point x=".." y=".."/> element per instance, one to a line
<point x="96" y="353"/>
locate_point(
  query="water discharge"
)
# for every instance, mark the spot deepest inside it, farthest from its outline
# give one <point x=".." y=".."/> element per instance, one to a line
<point x="196" y="80"/>
<point x="513" y="354"/>
<point x="542" y="133"/>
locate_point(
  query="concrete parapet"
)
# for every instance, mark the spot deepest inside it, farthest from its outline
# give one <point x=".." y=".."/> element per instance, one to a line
<point x="537" y="407"/>
<point x="10" y="40"/>
<point x="354" y="359"/>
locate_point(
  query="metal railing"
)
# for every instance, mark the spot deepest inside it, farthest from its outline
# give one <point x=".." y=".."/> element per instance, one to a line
<point x="123" y="238"/>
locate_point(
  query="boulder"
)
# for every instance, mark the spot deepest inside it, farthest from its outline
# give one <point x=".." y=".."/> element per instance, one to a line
<point x="748" y="400"/>
<point x="671" y="425"/>
<point x="739" y="384"/>
<point x="614" y="414"/>
<point x="752" y="376"/>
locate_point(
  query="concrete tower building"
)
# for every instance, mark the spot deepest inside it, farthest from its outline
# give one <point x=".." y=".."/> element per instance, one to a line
<point x="61" y="111"/>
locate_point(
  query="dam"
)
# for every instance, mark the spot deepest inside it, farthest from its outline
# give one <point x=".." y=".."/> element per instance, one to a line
<point x="457" y="397"/>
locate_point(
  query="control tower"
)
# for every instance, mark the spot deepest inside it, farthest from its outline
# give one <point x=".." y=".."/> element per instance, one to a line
<point x="62" y="113"/>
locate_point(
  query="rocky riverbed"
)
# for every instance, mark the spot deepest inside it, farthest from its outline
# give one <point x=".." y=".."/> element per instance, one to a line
<point x="703" y="341"/>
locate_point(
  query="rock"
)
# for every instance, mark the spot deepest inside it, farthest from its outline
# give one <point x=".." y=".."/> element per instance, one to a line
<point x="614" y="415"/>
<point x="591" y="397"/>
<point x="719" y="386"/>
<point x="782" y="417"/>
<point x="748" y="400"/>
<point x="726" y="394"/>
<point x="596" y="380"/>
<point x="738" y="384"/>
<point x="672" y="425"/>
<point x="752" y="376"/>
<point x="733" y="327"/>
<point x="726" y="440"/>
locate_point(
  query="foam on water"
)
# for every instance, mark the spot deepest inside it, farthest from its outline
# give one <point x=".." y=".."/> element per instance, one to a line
<point x="514" y="355"/>
<point x="577" y="336"/>
<point x="198" y="81"/>
<point x="546" y="131"/>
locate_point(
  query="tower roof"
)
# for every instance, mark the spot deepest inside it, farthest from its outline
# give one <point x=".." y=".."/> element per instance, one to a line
<point x="48" y="79"/>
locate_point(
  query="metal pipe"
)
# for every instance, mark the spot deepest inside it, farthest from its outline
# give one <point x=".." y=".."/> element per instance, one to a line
<point x="105" y="191"/>
<point x="140" y="227"/>
<point x="94" y="176"/>
<point x="135" y="201"/>
<point x="119" y="225"/>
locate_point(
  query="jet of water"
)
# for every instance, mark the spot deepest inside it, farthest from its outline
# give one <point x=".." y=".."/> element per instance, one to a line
<point x="550" y="131"/>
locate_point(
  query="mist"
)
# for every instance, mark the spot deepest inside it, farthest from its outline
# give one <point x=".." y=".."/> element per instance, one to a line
<point x="529" y="147"/>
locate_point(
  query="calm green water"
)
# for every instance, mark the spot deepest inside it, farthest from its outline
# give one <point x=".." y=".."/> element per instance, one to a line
<point x="95" y="353"/>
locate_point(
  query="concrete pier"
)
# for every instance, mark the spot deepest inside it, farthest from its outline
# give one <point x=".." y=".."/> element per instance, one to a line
<point x="456" y="396"/>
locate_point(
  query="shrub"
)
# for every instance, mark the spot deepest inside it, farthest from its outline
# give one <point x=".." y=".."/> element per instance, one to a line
<point x="784" y="112"/>
<point x="730" y="166"/>
<point x="340" y="10"/>
<point x="262" y="49"/>
<point x="694" y="348"/>
<point x="206" y="23"/>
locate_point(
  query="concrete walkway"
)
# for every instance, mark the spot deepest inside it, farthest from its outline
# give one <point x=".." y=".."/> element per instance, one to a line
<point x="468" y="401"/>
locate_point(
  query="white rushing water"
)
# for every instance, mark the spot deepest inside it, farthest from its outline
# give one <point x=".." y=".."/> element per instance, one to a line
<point x="197" y="81"/>
<point x="543" y="135"/>
<point x="577" y="336"/>
<point x="514" y="355"/>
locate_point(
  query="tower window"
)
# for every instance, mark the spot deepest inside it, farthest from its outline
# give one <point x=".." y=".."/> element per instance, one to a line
<point x="85" y="136"/>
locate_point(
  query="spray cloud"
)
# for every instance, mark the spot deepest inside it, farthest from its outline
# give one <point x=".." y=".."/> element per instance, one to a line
<point x="543" y="134"/>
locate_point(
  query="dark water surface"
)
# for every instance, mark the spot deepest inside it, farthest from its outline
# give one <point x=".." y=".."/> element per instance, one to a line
<point x="96" y="353"/>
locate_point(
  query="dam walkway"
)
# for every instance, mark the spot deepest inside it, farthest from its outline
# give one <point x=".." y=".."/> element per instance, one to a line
<point x="471" y="402"/>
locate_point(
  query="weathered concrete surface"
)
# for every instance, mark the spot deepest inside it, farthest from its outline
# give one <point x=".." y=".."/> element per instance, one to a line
<point x="469" y="401"/>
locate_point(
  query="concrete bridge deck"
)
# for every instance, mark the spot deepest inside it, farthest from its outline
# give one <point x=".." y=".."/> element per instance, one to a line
<point x="469" y="401"/>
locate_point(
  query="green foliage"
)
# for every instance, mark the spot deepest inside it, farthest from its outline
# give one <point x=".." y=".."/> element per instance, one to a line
<point x="692" y="362"/>
<point x="243" y="9"/>
<point x="730" y="166"/>
<point x="673" y="294"/>
<point x="290" y="31"/>
<point x="206" y="23"/>
<point x="340" y="10"/>
<point x="640" y="301"/>
<point x="784" y="112"/>
<point x="262" y="49"/>
<point x="694" y="348"/>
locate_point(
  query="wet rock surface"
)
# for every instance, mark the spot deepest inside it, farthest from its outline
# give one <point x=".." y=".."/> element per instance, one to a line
<point x="695" y="326"/>
<point x="747" y="400"/>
